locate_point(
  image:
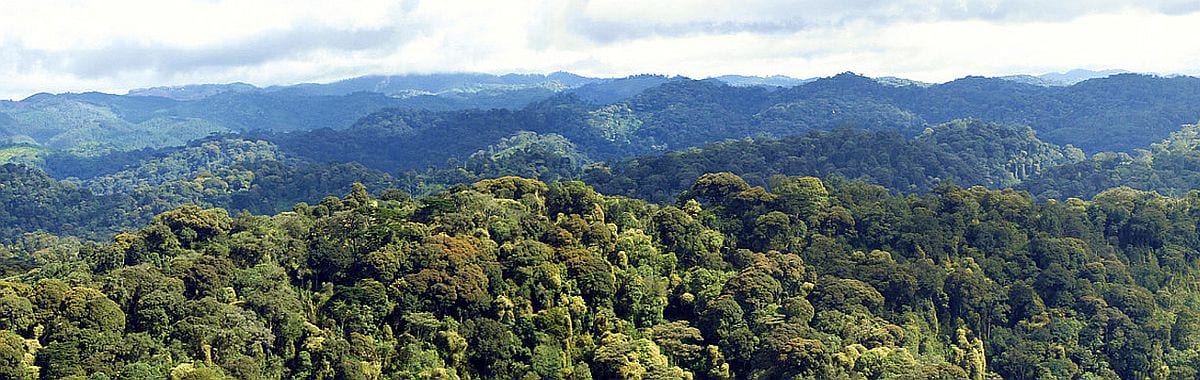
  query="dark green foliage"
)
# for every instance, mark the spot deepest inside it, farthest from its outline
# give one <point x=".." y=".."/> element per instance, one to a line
<point x="1168" y="167"/>
<point x="549" y="158"/>
<point x="718" y="187"/>
<point x="511" y="278"/>
<point x="751" y="268"/>
<point x="963" y="151"/>
<point x="33" y="201"/>
<point x="62" y="164"/>
<point x="230" y="173"/>
<point x="12" y="356"/>
<point x="553" y="138"/>
<point x="680" y="114"/>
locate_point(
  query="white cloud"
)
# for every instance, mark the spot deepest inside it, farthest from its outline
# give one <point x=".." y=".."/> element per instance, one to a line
<point x="112" y="46"/>
<point x="64" y="25"/>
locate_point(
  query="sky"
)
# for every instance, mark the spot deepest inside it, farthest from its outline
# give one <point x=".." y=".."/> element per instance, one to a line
<point x="117" y="45"/>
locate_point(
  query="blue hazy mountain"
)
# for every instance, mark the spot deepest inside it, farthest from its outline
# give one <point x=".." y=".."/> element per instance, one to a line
<point x="1062" y="79"/>
<point x="1116" y="113"/>
<point x="1078" y="75"/>
<point x="767" y="81"/>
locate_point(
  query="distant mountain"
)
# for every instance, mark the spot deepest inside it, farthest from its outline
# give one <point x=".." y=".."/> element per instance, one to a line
<point x="391" y="85"/>
<point x="609" y="91"/>
<point x="640" y="114"/>
<point x="1030" y="79"/>
<point x="96" y="123"/>
<point x="1079" y="75"/>
<point x="1118" y="113"/>
<point x="771" y="81"/>
<point x="109" y="144"/>
<point x="408" y="85"/>
<point x="901" y="82"/>
<point x="967" y="152"/>
<point x="1062" y="79"/>
<point x="193" y="91"/>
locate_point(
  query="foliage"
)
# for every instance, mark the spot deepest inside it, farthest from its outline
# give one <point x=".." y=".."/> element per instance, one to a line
<point x="1168" y="167"/>
<point x="514" y="278"/>
<point x="821" y="234"/>
<point x="968" y="152"/>
<point x="236" y="174"/>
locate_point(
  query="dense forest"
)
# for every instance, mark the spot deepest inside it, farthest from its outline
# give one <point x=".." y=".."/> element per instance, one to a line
<point x="232" y="173"/>
<point x="562" y="227"/>
<point x="1120" y="114"/>
<point x="618" y="117"/>
<point x="514" y="278"/>
<point x="966" y="152"/>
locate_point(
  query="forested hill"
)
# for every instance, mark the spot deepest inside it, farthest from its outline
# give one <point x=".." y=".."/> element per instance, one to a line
<point x="236" y="174"/>
<point x="843" y="228"/>
<point x="257" y="176"/>
<point x="260" y="177"/>
<point x="1118" y="113"/>
<point x="640" y="114"/>
<point x="967" y="152"/>
<point x="97" y="123"/>
<point x="1170" y="167"/>
<point x="100" y="123"/>
<point x="514" y="278"/>
<point x="964" y="152"/>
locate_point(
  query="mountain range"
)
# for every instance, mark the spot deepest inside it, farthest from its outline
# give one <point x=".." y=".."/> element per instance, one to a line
<point x="96" y="123"/>
<point x="562" y="227"/>
<point x="262" y="150"/>
<point x="434" y="84"/>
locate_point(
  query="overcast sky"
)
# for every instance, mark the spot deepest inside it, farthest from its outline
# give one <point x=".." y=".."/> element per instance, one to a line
<point x="115" y="45"/>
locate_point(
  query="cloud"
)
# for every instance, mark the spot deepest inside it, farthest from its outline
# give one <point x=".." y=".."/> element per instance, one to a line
<point x="123" y="44"/>
<point x="609" y="21"/>
<point x="132" y="56"/>
<point x="76" y="45"/>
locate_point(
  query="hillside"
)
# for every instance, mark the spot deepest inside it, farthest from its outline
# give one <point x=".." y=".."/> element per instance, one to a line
<point x="1170" y="167"/>
<point x="833" y="224"/>
<point x="516" y="278"/>
<point x="1116" y="113"/>
<point x="599" y="190"/>
<point x="95" y="123"/>
<point x="235" y="174"/>
<point x="965" y="152"/>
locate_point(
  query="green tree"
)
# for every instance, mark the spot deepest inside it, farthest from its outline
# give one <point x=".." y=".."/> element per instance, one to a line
<point x="12" y="356"/>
